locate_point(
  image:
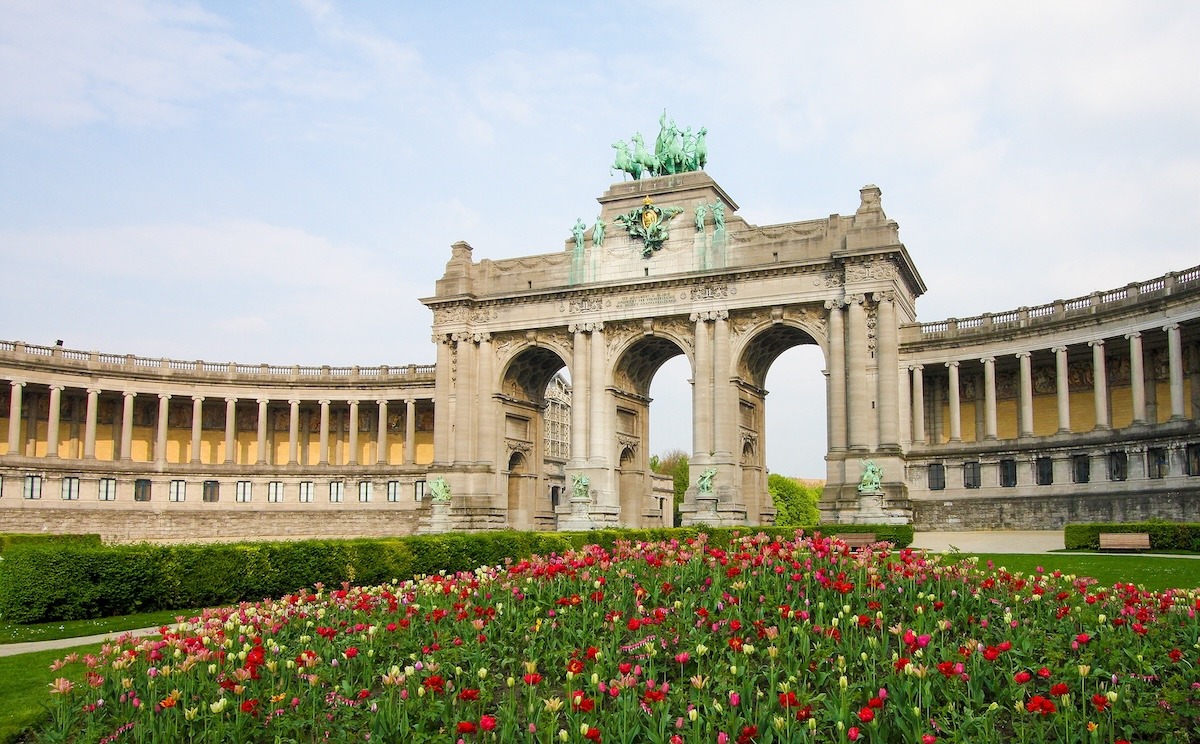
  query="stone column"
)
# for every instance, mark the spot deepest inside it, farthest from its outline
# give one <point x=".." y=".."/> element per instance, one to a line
<point x="598" y="441"/>
<point x="724" y="423"/>
<point x="1061" y="389"/>
<point x="1137" y="377"/>
<point x="918" y="401"/>
<point x="14" y="418"/>
<point x="410" y="431"/>
<point x="889" y="371"/>
<point x="197" y="423"/>
<point x="442" y="420"/>
<point x="261" y="444"/>
<point x="955" y="407"/>
<point x="485" y="444"/>
<point x="858" y="418"/>
<point x="1026" y="417"/>
<point x="837" y="376"/>
<point x="1175" y="360"/>
<point x="53" y="420"/>
<point x="905" y="407"/>
<point x="352" y="445"/>
<point x="294" y="432"/>
<point x="381" y="453"/>
<point x="989" y="397"/>
<point x="702" y="392"/>
<point x="127" y="426"/>
<point x="89" y="426"/>
<point x="463" y="399"/>
<point x="579" y="394"/>
<point x="1099" y="384"/>
<point x="160" y="440"/>
<point x="230" y="430"/>
<point x="323" y="455"/>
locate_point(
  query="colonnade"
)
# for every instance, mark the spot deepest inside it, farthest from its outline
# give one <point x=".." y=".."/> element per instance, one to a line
<point x="124" y="450"/>
<point x="1101" y="393"/>
<point x="864" y="395"/>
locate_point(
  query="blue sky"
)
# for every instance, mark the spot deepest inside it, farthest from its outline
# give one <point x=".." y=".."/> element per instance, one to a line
<point x="279" y="182"/>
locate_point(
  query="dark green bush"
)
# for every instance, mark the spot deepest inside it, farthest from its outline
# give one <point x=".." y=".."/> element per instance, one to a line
<point x="9" y="540"/>
<point x="44" y="580"/>
<point x="1183" y="536"/>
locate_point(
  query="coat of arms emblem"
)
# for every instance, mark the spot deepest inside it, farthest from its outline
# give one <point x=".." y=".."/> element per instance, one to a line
<point x="648" y="223"/>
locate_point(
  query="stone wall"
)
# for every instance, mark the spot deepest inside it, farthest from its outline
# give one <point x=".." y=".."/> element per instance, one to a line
<point x="1053" y="512"/>
<point x="210" y="526"/>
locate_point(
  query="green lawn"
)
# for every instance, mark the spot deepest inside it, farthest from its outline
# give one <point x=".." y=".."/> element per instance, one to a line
<point x="24" y="691"/>
<point x="14" y="633"/>
<point x="1152" y="572"/>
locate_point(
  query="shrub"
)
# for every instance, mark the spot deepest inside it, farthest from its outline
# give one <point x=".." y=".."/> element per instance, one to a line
<point x="1163" y="535"/>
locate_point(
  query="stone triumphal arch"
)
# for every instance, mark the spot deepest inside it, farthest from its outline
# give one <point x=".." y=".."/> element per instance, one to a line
<point x="667" y="269"/>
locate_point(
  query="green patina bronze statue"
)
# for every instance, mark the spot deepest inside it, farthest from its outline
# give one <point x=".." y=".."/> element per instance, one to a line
<point x="648" y="223"/>
<point x="704" y="485"/>
<point x="675" y="151"/>
<point x="439" y="490"/>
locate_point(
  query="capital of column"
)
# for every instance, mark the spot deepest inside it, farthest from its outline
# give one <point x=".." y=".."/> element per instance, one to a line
<point x="164" y="396"/>
<point x="263" y="401"/>
<point x="480" y="338"/>
<point x="1135" y="334"/>
<point x="382" y="401"/>
<point x="352" y="402"/>
<point x="17" y="383"/>
<point x="987" y="359"/>
<point x="951" y="364"/>
<point x="129" y="394"/>
<point x="916" y="367"/>
<point x="410" y="401"/>
<point x="1097" y="342"/>
<point x="856" y="299"/>
<point x="441" y="338"/>
<point x="1171" y="327"/>
<point x="94" y="391"/>
<point x="231" y="400"/>
<point x="834" y="304"/>
<point x="709" y="316"/>
<point x="323" y="402"/>
<point x="291" y="401"/>
<point x="1022" y="355"/>
<point x="1058" y="349"/>
<point x="59" y="388"/>
<point x="885" y="296"/>
<point x="585" y="327"/>
<point x="195" y="398"/>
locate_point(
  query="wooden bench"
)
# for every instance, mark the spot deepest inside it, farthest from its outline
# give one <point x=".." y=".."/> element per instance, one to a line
<point x="857" y="539"/>
<point x="1124" y="541"/>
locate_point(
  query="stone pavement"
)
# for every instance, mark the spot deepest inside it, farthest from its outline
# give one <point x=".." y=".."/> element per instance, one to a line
<point x="988" y="541"/>
<point x="12" y="649"/>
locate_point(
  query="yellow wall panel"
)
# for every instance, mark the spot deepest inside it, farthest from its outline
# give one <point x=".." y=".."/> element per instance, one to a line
<point x="1120" y="401"/>
<point x="143" y="443"/>
<point x="4" y="434"/>
<point x="1083" y="411"/>
<point x="1163" y="390"/>
<point x="39" y="445"/>
<point x="106" y="449"/>
<point x="424" y="452"/>
<point x="1045" y="415"/>
<point x="1006" y="419"/>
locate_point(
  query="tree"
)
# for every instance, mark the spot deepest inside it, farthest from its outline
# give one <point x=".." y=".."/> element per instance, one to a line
<point x="795" y="502"/>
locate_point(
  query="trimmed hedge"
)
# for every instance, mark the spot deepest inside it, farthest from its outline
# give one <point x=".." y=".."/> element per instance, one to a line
<point x="9" y="540"/>
<point x="45" y="580"/>
<point x="1163" y="535"/>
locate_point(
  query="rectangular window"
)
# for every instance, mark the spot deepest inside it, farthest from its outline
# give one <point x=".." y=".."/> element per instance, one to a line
<point x="1008" y="473"/>
<point x="1193" y="459"/>
<point x="275" y="492"/>
<point x="306" y="492"/>
<point x="1081" y="468"/>
<point x="33" y="487"/>
<point x="393" y="491"/>
<point x="364" y="491"/>
<point x="106" y="490"/>
<point x="337" y="491"/>
<point x="70" y="488"/>
<point x="212" y="491"/>
<point x="1156" y="462"/>
<point x="419" y="490"/>
<point x="244" y="492"/>
<point x="937" y="477"/>
<point x="971" y="477"/>
<point x="1118" y="465"/>
<point x="141" y="489"/>
<point x="1045" y="471"/>
<point x="177" y="491"/>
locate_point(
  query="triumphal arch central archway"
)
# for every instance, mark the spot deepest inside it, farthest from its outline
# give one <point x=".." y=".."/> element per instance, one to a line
<point x="668" y="268"/>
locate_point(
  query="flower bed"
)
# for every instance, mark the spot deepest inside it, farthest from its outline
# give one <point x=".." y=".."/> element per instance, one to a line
<point x="766" y="641"/>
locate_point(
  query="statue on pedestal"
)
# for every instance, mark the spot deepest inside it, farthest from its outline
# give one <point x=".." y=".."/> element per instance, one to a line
<point x="872" y="478"/>
<point x="704" y="485"/>
<point x="439" y="490"/>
